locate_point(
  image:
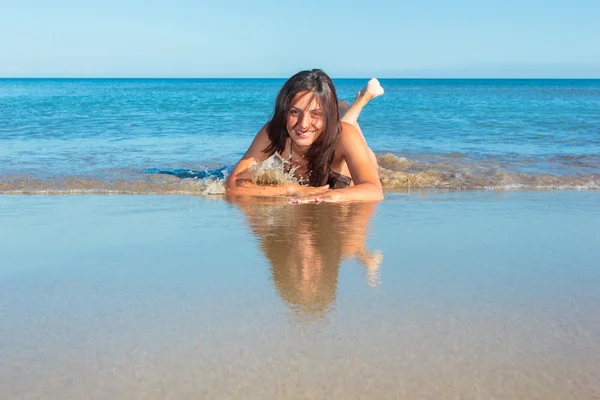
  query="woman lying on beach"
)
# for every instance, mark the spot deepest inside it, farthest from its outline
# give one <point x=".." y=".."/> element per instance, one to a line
<point x="325" y="151"/>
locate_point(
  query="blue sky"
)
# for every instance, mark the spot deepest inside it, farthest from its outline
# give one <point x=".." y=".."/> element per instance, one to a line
<point x="263" y="38"/>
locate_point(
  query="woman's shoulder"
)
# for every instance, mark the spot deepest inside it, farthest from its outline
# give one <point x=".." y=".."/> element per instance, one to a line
<point x="261" y="140"/>
<point x="349" y="135"/>
<point x="348" y="129"/>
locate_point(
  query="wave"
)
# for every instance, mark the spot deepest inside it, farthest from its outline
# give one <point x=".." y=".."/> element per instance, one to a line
<point x="459" y="172"/>
<point x="136" y="185"/>
<point x="454" y="171"/>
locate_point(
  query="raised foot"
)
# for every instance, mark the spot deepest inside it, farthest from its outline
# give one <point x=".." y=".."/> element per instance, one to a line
<point x="372" y="89"/>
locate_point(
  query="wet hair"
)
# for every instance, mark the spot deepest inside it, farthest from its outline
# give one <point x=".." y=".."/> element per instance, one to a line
<point x="320" y="153"/>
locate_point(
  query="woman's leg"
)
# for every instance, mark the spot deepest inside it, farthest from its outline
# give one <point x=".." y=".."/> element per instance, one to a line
<point x="370" y="91"/>
<point x="343" y="105"/>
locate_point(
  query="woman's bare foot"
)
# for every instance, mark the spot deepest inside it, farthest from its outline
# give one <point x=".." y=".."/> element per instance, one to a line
<point x="371" y="90"/>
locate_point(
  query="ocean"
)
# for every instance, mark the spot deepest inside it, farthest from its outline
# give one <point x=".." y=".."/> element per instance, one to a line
<point x="181" y="136"/>
<point x="125" y="274"/>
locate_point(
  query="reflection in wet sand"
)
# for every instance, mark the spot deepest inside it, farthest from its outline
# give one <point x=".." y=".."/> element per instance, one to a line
<point x="158" y="297"/>
<point x="305" y="245"/>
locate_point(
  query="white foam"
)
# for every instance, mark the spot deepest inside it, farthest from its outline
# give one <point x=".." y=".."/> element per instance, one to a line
<point x="275" y="170"/>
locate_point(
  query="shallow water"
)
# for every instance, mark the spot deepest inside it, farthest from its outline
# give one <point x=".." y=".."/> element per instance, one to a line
<point x="434" y="295"/>
<point x="112" y="135"/>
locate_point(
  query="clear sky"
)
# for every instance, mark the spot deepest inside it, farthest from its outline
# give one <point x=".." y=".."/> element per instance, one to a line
<point x="265" y="38"/>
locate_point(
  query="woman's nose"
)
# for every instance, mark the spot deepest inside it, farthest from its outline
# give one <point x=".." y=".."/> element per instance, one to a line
<point x="305" y="121"/>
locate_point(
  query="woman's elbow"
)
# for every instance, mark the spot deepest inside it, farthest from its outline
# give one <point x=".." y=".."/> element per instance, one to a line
<point x="372" y="191"/>
<point x="378" y="193"/>
<point x="231" y="185"/>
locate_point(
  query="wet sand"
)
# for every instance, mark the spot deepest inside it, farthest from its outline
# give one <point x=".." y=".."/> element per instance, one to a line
<point x="427" y="295"/>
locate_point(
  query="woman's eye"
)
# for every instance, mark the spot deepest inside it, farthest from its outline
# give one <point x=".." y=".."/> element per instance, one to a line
<point x="293" y="112"/>
<point x="317" y="114"/>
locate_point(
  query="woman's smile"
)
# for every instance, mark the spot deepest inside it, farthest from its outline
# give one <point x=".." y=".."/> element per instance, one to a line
<point x="303" y="135"/>
<point x="304" y="119"/>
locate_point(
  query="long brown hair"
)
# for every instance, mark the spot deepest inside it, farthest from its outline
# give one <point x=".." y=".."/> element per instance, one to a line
<point x="320" y="153"/>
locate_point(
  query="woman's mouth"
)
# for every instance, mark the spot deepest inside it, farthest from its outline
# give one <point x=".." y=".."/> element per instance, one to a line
<point x="303" y="135"/>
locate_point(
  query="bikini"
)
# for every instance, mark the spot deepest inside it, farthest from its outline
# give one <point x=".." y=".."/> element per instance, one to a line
<point x="335" y="180"/>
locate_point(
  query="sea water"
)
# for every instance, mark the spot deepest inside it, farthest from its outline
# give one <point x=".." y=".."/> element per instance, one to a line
<point x="465" y="294"/>
<point x="486" y="293"/>
<point x="183" y="135"/>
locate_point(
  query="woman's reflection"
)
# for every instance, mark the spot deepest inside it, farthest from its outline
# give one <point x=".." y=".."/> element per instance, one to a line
<point x="305" y="244"/>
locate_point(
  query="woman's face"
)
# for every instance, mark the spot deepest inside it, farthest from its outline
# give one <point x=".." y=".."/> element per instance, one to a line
<point x="304" y="121"/>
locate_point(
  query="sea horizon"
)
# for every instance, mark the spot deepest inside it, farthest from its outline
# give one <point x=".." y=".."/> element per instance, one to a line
<point x="286" y="77"/>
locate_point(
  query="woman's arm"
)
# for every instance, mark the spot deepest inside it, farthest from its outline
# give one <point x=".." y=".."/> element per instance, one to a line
<point x="356" y="153"/>
<point x="240" y="180"/>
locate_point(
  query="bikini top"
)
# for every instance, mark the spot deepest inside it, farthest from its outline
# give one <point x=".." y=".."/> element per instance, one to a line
<point x="335" y="180"/>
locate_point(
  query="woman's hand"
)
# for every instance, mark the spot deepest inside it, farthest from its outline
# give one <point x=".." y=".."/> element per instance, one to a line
<point x="328" y="196"/>
<point x="301" y="191"/>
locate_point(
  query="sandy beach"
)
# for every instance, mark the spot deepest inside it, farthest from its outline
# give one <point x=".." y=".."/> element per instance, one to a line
<point x="435" y="295"/>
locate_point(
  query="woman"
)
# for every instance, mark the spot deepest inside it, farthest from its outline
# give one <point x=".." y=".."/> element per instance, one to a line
<point x="328" y="153"/>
